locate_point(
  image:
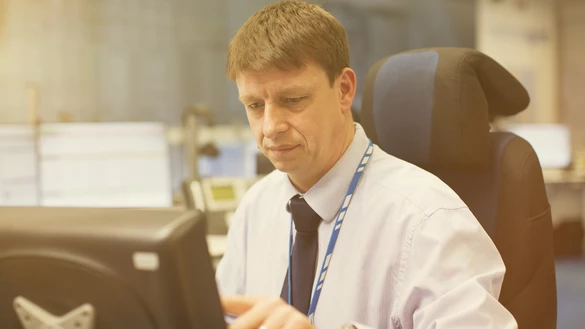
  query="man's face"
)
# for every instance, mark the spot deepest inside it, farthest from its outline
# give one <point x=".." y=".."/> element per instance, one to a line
<point x="296" y="116"/>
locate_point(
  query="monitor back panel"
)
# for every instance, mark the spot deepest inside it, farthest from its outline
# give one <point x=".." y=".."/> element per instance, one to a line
<point x="139" y="268"/>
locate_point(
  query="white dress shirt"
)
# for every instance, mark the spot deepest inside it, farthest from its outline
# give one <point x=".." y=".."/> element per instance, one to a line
<point x="410" y="254"/>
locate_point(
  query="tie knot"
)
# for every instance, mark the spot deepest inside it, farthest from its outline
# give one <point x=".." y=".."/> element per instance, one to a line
<point x="305" y="218"/>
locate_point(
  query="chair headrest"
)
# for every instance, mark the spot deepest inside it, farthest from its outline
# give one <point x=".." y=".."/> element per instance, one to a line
<point x="432" y="107"/>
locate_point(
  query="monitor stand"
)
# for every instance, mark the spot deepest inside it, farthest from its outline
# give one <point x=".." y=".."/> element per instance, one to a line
<point x="34" y="317"/>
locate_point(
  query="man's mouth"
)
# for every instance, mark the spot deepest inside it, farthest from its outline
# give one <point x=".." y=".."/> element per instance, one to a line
<point x="281" y="149"/>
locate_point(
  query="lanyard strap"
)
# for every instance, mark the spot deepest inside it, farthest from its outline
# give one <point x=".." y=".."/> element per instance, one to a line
<point x="333" y="239"/>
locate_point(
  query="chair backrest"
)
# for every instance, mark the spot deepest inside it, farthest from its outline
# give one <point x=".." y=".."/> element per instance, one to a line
<point x="432" y="107"/>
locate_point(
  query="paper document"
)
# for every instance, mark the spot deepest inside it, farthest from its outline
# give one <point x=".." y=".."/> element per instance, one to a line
<point x="18" y="173"/>
<point x="105" y="165"/>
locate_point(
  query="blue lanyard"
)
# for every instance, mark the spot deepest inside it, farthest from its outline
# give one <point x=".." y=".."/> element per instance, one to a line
<point x="338" y="223"/>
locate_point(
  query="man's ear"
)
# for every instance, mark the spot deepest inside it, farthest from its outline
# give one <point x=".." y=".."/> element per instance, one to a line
<point x="347" y="88"/>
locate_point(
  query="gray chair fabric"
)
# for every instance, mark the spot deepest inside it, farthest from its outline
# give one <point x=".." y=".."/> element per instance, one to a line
<point x="432" y="107"/>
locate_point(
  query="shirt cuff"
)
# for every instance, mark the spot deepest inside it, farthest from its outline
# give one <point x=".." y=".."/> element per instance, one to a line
<point x="360" y="326"/>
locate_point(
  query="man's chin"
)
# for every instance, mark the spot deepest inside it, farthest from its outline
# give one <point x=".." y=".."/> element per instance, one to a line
<point x="286" y="166"/>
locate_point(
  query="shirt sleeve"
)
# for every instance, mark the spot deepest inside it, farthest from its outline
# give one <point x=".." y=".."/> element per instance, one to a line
<point x="231" y="271"/>
<point x="450" y="276"/>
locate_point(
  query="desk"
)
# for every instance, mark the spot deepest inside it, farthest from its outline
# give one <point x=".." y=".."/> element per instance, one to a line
<point x="216" y="243"/>
<point x="566" y="195"/>
<point x="559" y="176"/>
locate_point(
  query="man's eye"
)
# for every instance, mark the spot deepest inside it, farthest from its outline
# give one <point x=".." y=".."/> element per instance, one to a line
<point x="254" y="106"/>
<point x="293" y="100"/>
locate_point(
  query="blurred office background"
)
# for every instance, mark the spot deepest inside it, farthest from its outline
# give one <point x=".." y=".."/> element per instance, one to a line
<point x="102" y="102"/>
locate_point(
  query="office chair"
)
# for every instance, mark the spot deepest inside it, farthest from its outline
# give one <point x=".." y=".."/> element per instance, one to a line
<point x="432" y="108"/>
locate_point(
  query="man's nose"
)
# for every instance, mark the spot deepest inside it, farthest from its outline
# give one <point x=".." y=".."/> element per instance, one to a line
<point x="274" y="121"/>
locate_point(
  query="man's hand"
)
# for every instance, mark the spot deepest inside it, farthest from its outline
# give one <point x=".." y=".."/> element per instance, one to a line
<point x="264" y="313"/>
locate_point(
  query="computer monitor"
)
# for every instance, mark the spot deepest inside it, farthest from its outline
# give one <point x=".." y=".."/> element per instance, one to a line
<point x="79" y="268"/>
<point x="551" y="142"/>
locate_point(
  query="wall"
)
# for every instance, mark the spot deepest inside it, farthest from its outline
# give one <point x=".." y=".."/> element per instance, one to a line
<point x="113" y="60"/>
<point x="572" y="69"/>
<point x="542" y="45"/>
<point x="441" y="23"/>
<point x="377" y="28"/>
<point x="572" y="98"/>
<point x="523" y="38"/>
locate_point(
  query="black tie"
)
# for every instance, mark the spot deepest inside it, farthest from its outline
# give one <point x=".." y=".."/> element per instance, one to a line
<point x="304" y="254"/>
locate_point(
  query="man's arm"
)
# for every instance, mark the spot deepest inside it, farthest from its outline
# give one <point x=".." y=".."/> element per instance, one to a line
<point x="231" y="271"/>
<point x="451" y="275"/>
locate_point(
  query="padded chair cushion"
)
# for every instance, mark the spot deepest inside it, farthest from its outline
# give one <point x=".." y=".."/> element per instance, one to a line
<point x="442" y="122"/>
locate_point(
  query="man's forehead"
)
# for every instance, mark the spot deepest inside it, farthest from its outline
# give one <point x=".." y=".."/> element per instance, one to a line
<point x="252" y="84"/>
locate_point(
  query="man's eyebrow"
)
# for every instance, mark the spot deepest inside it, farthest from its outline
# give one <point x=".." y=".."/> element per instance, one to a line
<point x="292" y="90"/>
<point x="296" y="90"/>
<point x="245" y="98"/>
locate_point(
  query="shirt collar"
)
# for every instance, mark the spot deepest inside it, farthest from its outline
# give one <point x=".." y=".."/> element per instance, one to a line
<point x="326" y="195"/>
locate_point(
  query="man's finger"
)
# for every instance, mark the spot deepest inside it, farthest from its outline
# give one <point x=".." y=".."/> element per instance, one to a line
<point x="257" y="314"/>
<point x="238" y="305"/>
<point x="279" y="317"/>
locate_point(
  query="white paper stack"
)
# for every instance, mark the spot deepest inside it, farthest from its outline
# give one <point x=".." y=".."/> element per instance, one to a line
<point x="105" y="165"/>
<point x="18" y="173"/>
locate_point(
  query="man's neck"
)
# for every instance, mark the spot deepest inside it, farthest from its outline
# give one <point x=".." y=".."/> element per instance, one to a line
<point x="307" y="180"/>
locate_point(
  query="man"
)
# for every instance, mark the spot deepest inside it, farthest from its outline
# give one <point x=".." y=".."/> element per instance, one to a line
<point x="405" y="251"/>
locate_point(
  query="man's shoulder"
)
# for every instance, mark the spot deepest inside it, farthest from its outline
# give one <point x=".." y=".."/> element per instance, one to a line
<point x="398" y="181"/>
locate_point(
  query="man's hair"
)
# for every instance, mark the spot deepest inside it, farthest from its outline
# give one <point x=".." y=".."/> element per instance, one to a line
<point x="289" y="34"/>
